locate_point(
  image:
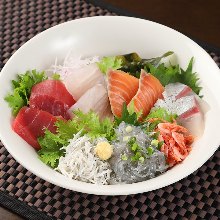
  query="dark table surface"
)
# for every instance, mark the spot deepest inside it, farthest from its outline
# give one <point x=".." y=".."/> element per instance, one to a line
<point x="198" y="19"/>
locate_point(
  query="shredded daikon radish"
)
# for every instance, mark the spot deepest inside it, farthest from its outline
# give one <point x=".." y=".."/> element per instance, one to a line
<point x="80" y="162"/>
<point x="70" y="63"/>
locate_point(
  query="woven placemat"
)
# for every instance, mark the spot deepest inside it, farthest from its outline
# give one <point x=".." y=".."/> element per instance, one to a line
<point x="195" y="197"/>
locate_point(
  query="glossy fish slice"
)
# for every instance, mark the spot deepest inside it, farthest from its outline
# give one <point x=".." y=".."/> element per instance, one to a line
<point x="53" y="97"/>
<point x="122" y="87"/>
<point x="30" y="123"/>
<point x="181" y="100"/>
<point x="80" y="80"/>
<point x="95" y="99"/>
<point x="150" y="89"/>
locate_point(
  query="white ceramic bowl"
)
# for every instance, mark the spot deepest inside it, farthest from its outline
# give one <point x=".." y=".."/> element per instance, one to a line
<point x="111" y="36"/>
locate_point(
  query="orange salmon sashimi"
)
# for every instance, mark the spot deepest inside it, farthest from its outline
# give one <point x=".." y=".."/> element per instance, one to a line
<point x="150" y="89"/>
<point x="122" y="87"/>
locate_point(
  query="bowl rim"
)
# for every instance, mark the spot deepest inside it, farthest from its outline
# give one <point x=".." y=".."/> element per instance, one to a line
<point x="124" y="189"/>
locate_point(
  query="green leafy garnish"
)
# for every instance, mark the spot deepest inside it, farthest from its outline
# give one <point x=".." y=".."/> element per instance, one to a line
<point x="51" y="145"/>
<point x="128" y="116"/>
<point x="109" y="63"/>
<point x="136" y="156"/>
<point x="160" y="144"/>
<point x="128" y="58"/>
<point x="124" y="157"/>
<point x="15" y="101"/>
<point x="141" y="159"/>
<point x="159" y="115"/>
<point x="134" y="147"/>
<point x="89" y="124"/>
<point x="155" y="61"/>
<point x="136" y="150"/>
<point x="190" y="78"/>
<point x="172" y="74"/>
<point x="132" y="63"/>
<point x="165" y="74"/>
<point x="22" y="89"/>
<point x="131" y="110"/>
<point x="66" y="129"/>
<point x="154" y="142"/>
<point x="150" y="151"/>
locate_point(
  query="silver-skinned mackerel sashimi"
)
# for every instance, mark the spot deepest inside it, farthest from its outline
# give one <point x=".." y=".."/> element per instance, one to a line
<point x="181" y="100"/>
<point x="94" y="99"/>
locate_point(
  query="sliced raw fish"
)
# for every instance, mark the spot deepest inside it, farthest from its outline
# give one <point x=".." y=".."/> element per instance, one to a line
<point x="193" y="118"/>
<point x="95" y="99"/>
<point x="177" y="90"/>
<point x="80" y="80"/>
<point x="30" y="123"/>
<point x="53" y="97"/>
<point x="150" y="89"/>
<point x="121" y="89"/>
<point x="181" y="100"/>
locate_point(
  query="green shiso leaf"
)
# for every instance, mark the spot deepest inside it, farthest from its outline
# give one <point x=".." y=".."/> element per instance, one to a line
<point x="22" y="89"/>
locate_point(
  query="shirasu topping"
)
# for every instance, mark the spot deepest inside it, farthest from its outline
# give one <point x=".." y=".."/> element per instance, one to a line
<point x="127" y="171"/>
<point x="81" y="163"/>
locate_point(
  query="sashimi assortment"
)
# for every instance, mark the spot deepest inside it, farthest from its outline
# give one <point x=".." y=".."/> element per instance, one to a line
<point x="30" y="124"/>
<point x="122" y="87"/>
<point x="150" y="89"/>
<point x="109" y="120"/>
<point x="53" y="97"/>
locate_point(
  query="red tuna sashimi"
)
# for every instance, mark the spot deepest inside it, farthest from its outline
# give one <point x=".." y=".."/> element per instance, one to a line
<point x="31" y="123"/>
<point x="53" y="97"/>
<point x="121" y="89"/>
<point x="150" y="89"/>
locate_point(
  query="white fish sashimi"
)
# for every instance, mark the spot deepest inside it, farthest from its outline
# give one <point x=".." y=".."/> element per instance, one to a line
<point x="96" y="99"/>
<point x="80" y="80"/>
